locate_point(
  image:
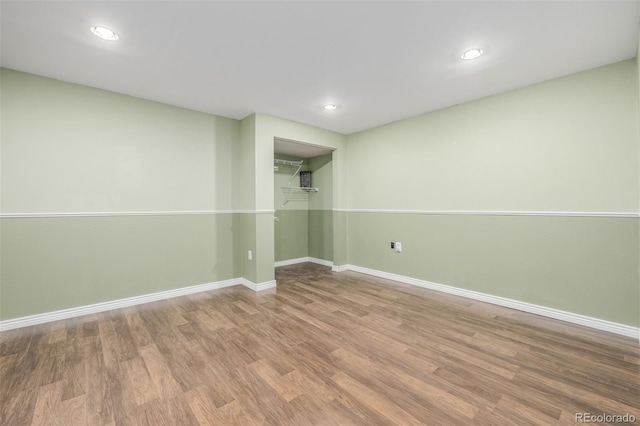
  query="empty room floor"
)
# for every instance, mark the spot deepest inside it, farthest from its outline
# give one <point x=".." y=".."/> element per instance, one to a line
<point x="323" y="348"/>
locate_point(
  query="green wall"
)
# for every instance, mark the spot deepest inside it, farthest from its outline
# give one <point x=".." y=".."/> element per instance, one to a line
<point x="69" y="149"/>
<point x="63" y="262"/>
<point x="568" y="145"/>
<point x="291" y="234"/>
<point x="638" y="145"/>
<point x="320" y="234"/>
<point x="585" y="265"/>
<point x="321" y="208"/>
<point x="244" y="186"/>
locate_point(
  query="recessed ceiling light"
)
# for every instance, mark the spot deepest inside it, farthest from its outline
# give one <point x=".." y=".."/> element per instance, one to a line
<point x="104" y="33"/>
<point x="329" y="107"/>
<point x="471" y="54"/>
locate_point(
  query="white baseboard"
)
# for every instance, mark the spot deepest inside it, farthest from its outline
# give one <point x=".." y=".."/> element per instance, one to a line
<point x="599" y="324"/>
<point x="258" y="287"/>
<point x="291" y="261"/>
<point x="129" y="301"/>
<point x="321" y="261"/>
<point x="303" y="260"/>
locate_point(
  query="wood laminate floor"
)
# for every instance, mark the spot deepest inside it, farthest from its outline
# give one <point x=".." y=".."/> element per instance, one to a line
<point x="325" y="349"/>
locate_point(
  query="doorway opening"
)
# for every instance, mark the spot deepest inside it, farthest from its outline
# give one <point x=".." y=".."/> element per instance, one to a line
<point x="303" y="202"/>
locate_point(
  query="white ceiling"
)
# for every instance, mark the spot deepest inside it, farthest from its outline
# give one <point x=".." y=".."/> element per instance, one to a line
<point x="379" y="61"/>
<point x="299" y="149"/>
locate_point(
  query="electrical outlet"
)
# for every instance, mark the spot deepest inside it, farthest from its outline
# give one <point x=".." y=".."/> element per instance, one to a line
<point x="393" y="245"/>
<point x="250" y="255"/>
<point x="398" y="246"/>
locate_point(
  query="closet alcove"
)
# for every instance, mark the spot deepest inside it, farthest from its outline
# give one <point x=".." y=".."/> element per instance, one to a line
<point x="303" y="202"/>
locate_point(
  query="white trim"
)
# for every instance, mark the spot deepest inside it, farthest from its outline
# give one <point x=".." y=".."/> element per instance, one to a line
<point x="263" y="211"/>
<point x="140" y="213"/>
<point x="288" y="262"/>
<point x="494" y="213"/>
<point x="599" y="324"/>
<point x="267" y="211"/>
<point x="320" y="261"/>
<point x="257" y="287"/>
<point x="129" y="301"/>
<point x="339" y="268"/>
<point x="113" y="304"/>
<point x="303" y="260"/>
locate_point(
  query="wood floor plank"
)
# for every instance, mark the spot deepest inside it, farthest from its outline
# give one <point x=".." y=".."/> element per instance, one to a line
<point x="166" y="385"/>
<point x="144" y="390"/>
<point x="48" y="410"/>
<point x="323" y="348"/>
<point x="203" y="407"/>
<point x="18" y="408"/>
<point x="522" y="413"/>
<point x="74" y="411"/>
<point x="98" y="402"/>
<point x="383" y="406"/>
<point x="74" y="369"/>
<point x="412" y="394"/>
<point x="246" y="307"/>
<point x="139" y="332"/>
<point x="276" y="381"/>
<point x="589" y="398"/>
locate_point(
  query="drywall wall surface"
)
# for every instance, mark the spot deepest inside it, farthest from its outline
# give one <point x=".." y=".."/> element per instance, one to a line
<point x="320" y="234"/>
<point x="321" y="168"/>
<point x="248" y="241"/>
<point x="245" y="185"/>
<point x="637" y="115"/>
<point x="71" y="148"/>
<point x="638" y="145"/>
<point x="567" y="144"/>
<point x="530" y="195"/>
<point x="321" y="208"/>
<point x="265" y="271"/>
<point x="291" y="234"/>
<point x="64" y="262"/>
<point x="585" y="265"/>
<point x="106" y="196"/>
<point x="340" y="254"/>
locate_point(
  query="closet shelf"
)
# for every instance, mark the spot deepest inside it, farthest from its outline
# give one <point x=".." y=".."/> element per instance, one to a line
<point x="300" y="188"/>
<point x="296" y="193"/>
<point x="289" y="163"/>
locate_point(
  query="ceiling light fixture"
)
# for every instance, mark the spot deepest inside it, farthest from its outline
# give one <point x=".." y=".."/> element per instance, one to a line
<point x="104" y="33"/>
<point x="329" y="107"/>
<point x="471" y="54"/>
